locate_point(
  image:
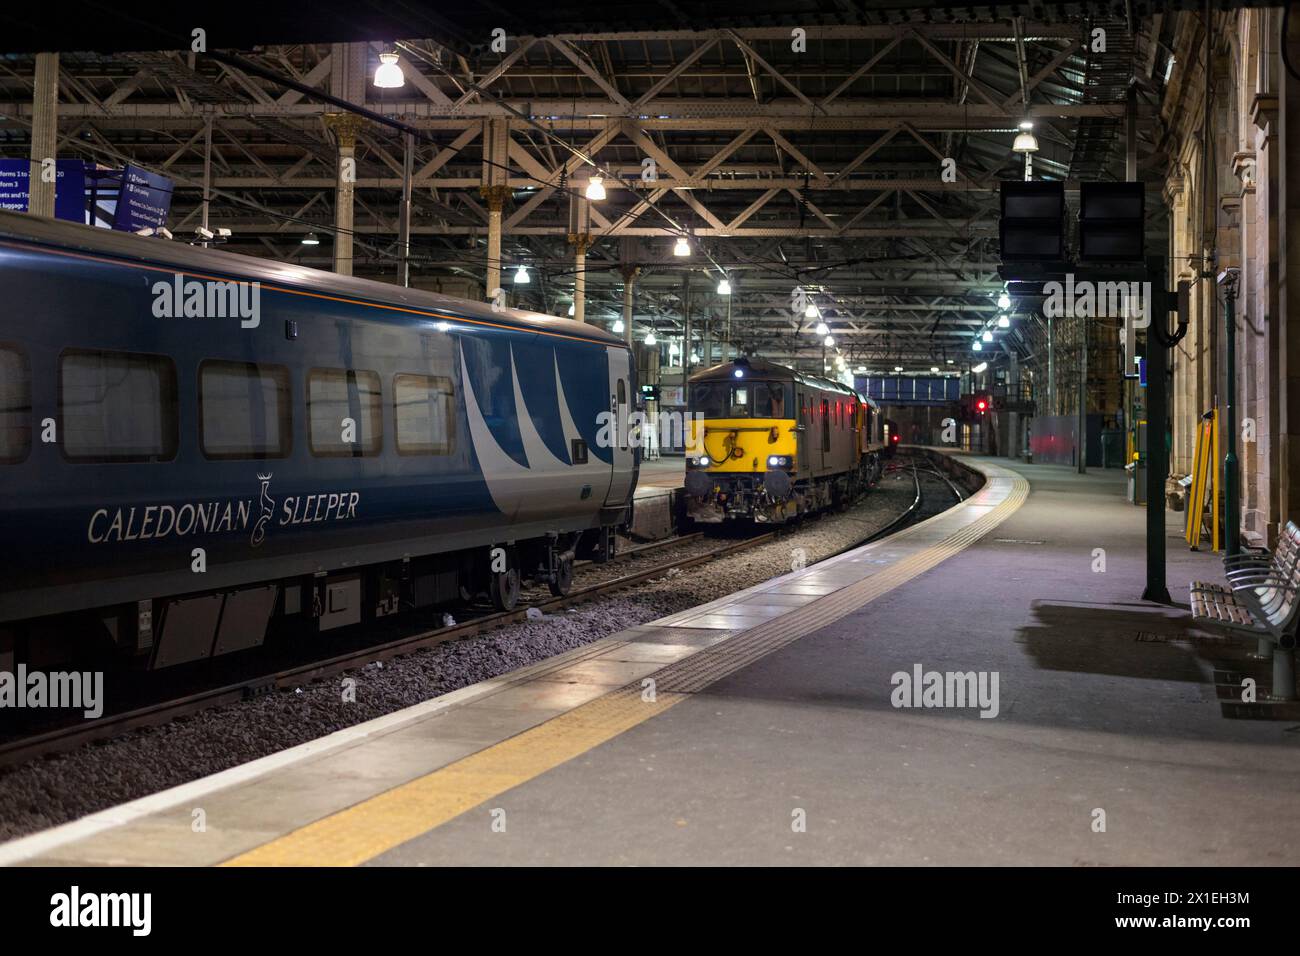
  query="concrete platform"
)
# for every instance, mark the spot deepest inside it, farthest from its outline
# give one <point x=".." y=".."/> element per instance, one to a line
<point x="762" y="728"/>
<point x="660" y="475"/>
<point x="654" y="513"/>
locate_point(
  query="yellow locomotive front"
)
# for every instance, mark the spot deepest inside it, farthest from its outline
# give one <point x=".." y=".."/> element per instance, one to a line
<point x="742" y="443"/>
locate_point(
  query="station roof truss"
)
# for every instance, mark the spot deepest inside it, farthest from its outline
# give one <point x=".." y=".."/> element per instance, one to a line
<point x="816" y="166"/>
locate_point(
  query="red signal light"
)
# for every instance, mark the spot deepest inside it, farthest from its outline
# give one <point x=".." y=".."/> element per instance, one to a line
<point x="895" y="438"/>
<point x="981" y="405"/>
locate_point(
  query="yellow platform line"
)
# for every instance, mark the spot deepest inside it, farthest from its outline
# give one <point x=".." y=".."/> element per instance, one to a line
<point x="374" y="826"/>
<point x="364" y="831"/>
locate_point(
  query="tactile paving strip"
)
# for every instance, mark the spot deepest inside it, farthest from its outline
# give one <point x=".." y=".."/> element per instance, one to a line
<point x="696" y="672"/>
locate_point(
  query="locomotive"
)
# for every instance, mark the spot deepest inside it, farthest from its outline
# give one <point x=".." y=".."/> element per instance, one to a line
<point x="767" y="443"/>
<point x="177" y="478"/>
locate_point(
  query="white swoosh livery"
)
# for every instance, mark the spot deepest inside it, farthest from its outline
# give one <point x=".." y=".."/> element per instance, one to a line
<point x="535" y="489"/>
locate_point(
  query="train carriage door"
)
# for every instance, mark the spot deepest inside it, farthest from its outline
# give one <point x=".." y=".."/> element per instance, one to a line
<point x="825" y="414"/>
<point x="623" y="474"/>
<point x="803" y="433"/>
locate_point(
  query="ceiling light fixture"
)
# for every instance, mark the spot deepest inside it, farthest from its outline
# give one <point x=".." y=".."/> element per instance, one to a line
<point x="389" y="75"/>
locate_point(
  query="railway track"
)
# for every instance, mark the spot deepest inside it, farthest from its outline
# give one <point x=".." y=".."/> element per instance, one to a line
<point x="62" y="739"/>
<point x="917" y="510"/>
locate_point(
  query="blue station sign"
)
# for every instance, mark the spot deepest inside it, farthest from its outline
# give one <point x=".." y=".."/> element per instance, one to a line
<point x="144" y="201"/>
<point x="69" y="187"/>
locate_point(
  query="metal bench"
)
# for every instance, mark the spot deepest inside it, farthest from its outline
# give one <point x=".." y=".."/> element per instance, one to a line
<point x="1260" y="598"/>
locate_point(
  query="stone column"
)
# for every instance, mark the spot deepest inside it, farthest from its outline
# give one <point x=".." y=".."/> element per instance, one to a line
<point x="1289" y="283"/>
<point x="686" y="327"/>
<point x="345" y="127"/>
<point x="1013" y="438"/>
<point x="581" y="243"/>
<point x="45" y="133"/>
<point x="1265" y="271"/>
<point x="1181" y="399"/>
<point x="495" y="190"/>
<point x="496" y="198"/>
<point x="630" y="274"/>
<point x="580" y="238"/>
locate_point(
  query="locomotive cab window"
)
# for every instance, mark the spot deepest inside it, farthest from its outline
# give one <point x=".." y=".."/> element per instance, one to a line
<point x="711" y="399"/>
<point x="244" y="410"/>
<point x="117" y="406"/>
<point x="15" y="405"/>
<point x="771" y="400"/>
<point x="425" y="410"/>
<point x="748" y="400"/>
<point x="345" y="411"/>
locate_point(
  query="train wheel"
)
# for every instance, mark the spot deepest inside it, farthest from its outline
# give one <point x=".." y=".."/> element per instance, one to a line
<point x="504" y="589"/>
<point x="563" y="582"/>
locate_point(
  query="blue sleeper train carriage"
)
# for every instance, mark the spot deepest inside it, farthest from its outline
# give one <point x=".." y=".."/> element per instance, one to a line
<point x="198" y="448"/>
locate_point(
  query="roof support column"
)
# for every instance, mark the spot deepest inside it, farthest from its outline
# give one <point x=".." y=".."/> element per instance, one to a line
<point x="580" y="246"/>
<point x="207" y="168"/>
<point x="404" y="213"/>
<point x="629" y="296"/>
<point x="686" y="327"/>
<point x="45" y="131"/>
<point x="344" y="127"/>
<point x="580" y="239"/>
<point x="494" y="189"/>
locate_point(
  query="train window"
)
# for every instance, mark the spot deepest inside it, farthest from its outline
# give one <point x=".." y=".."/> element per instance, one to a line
<point x="712" y="399"/>
<point x="15" y="405"/>
<point x="425" y="409"/>
<point x="826" y="424"/>
<point x="117" y="406"/>
<point x="244" y="410"/>
<point x="345" y="413"/>
<point x="771" y="399"/>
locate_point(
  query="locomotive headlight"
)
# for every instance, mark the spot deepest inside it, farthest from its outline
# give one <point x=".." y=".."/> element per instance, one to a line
<point x="705" y="461"/>
<point x="778" y="461"/>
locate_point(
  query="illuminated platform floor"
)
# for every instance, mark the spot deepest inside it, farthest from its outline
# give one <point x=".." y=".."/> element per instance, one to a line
<point x="660" y="475"/>
<point x="772" y="735"/>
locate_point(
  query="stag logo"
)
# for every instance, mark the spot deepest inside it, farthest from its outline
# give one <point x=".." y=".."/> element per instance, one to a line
<point x="268" y="509"/>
